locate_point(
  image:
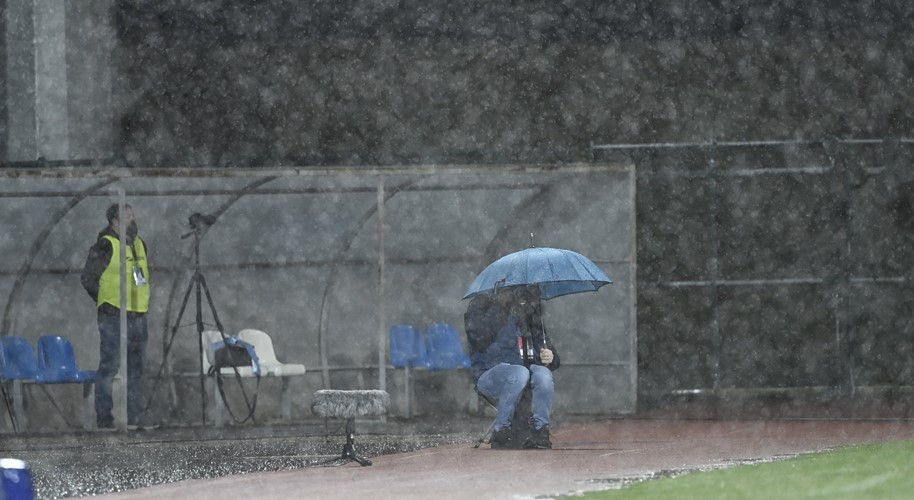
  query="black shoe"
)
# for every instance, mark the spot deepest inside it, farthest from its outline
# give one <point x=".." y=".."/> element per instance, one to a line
<point x="502" y="439"/>
<point x="539" y="439"/>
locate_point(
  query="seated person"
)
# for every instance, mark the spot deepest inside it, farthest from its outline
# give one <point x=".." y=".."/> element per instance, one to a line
<point x="509" y="350"/>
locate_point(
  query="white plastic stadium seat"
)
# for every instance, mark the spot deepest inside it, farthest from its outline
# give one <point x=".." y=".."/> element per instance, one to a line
<point x="269" y="367"/>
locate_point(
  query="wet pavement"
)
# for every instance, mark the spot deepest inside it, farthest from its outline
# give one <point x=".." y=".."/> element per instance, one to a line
<point x="413" y="459"/>
<point x="90" y="463"/>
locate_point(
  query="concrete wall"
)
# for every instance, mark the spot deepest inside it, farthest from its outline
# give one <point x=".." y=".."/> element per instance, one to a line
<point x="57" y="69"/>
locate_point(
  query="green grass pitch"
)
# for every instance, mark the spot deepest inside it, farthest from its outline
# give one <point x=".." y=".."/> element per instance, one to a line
<point x="881" y="471"/>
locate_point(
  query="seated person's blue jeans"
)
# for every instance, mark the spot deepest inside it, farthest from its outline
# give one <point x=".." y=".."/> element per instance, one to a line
<point x="506" y="383"/>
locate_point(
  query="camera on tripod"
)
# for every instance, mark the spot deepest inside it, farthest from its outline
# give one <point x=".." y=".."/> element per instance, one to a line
<point x="199" y="221"/>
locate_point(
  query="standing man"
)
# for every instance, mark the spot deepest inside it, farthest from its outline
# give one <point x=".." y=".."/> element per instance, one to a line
<point x="101" y="279"/>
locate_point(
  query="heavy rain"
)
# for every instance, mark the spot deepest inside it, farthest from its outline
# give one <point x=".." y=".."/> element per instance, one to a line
<point x="329" y="173"/>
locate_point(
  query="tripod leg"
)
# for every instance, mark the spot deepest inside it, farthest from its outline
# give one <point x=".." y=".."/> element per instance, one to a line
<point x="199" y="322"/>
<point x="7" y="400"/>
<point x="171" y="340"/>
<point x="212" y="308"/>
<point x="485" y="437"/>
<point x="349" y="448"/>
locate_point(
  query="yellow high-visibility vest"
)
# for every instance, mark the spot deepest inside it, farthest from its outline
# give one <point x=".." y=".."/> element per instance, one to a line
<point x="109" y="285"/>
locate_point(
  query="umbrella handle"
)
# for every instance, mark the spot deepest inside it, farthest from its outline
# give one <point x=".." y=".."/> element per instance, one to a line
<point x="543" y="327"/>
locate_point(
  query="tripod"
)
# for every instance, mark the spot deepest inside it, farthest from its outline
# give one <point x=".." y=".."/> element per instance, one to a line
<point x="197" y="284"/>
<point x="348" y="454"/>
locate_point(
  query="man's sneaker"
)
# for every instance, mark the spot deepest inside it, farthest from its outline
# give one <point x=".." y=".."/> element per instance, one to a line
<point x="142" y="427"/>
<point x="539" y="439"/>
<point x="502" y="439"/>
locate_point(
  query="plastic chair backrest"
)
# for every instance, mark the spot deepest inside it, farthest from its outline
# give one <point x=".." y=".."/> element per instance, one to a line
<point x="445" y="352"/>
<point x="57" y="361"/>
<point x="19" y="362"/>
<point x="263" y="345"/>
<point x="407" y="346"/>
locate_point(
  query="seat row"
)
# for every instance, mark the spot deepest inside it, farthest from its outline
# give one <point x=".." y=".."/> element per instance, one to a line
<point x="55" y="363"/>
<point x="437" y="349"/>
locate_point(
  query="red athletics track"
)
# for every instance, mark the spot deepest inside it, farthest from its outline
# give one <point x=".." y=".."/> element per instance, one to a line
<point x="586" y="457"/>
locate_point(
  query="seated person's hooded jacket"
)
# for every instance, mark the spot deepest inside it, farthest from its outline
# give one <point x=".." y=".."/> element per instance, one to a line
<point x="504" y="349"/>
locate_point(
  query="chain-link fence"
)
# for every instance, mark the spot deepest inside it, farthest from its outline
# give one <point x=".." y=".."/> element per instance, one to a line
<point x="774" y="266"/>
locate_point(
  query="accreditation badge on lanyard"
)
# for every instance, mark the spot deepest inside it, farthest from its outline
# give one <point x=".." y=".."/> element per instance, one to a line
<point x="138" y="277"/>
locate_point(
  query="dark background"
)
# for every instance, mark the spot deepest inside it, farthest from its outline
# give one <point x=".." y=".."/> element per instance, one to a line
<point x="776" y="268"/>
<point x="365" y="83"/>
<point x="221" y="83"/>
<point x="773" y="280"/>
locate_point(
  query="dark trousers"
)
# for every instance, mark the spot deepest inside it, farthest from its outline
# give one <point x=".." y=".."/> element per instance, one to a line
<point x="110" y="362"/>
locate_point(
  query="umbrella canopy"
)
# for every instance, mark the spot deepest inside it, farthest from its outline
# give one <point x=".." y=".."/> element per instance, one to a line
<point x="557" y="272"/>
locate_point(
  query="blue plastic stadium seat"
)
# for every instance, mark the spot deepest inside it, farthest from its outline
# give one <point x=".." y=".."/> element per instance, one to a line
<point x="445" y="351"/>
<point x="407" y="347"/>
<point x="407" y="350"/>
<point x="19" y="366"/>
<point x="18" y="359"/>
<point x="57" y="362"/>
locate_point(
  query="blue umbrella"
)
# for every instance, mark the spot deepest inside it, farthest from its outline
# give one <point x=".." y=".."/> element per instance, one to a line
<point x="557" y="272"/>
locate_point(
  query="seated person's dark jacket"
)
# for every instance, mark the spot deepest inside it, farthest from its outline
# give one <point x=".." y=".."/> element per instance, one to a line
<point x="504" y="349"/>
